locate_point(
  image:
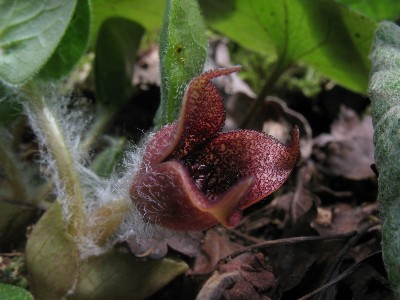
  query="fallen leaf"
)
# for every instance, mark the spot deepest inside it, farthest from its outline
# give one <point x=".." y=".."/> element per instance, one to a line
<point x="215" y="247"/>
<point x="348" y="150"/>
<point x="345" y="218"/>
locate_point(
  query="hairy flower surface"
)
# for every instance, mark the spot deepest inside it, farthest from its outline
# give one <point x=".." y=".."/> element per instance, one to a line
<point x="194" y="176"/>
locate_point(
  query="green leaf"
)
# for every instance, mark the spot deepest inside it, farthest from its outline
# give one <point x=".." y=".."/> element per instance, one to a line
<point x="106" y="161"/>
<point x="52" y="257"/>
<point x="377" y="10"/>
<point x="384" y="91"/>
<point x="10" y="292"/>
<point x="330" y="37"/>
<point x="116" y="47"/>
<point x="30" y="31"/>
<point x="183" y="48"/>
<point x="72" y="46"/>
<point x="145" y="12"/>
<point x="121" y="276"/>
<point x="56" y="268"/>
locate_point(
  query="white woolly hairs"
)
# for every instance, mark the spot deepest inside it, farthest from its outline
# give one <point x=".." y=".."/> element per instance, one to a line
<point x="97" y="191"/>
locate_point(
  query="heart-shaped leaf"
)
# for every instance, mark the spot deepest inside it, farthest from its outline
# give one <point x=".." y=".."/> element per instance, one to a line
<point x="330" y="37"/>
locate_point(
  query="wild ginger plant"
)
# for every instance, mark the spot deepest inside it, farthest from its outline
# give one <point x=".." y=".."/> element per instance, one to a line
<point x="186" y="175"/>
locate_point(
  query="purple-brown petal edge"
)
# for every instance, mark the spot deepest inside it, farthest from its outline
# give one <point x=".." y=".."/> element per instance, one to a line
<point x="201" y="118"/>
<point x="203" y="114"/>
<point x="246" y="153"/>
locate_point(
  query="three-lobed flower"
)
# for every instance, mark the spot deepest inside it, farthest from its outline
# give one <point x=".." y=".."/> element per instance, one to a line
<point x="193" y="176"/>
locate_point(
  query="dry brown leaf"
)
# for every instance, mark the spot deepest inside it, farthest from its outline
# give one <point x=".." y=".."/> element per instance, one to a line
<point x="348" y="150"/>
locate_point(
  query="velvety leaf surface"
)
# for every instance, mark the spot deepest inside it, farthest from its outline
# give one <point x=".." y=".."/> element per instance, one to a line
<point x="72" y="45"/>
<point x="29" y="33"/>
<point x="116" y="47"/>
<point x="330" y="37"/>
<point x="10" y="292"/>
<point x="384" y="90"/>
<point x="377" y="10"/>
<point x="183" y="48"/>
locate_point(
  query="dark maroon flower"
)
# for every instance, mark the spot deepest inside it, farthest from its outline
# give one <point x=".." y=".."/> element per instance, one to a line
<point x="193" y="176"/>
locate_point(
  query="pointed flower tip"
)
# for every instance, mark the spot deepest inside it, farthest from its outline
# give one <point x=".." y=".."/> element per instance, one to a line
<point x="193" y="176"/>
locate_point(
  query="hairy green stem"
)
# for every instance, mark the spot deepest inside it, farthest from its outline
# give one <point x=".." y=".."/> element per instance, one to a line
<point x="59" y="150"/>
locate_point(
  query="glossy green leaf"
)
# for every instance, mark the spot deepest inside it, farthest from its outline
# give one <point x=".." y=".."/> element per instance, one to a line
<point x="145" y="12"/>
<point x="330" y="37"/>
<point x="10" y="292"/>
<point x="72" y="46"/>
<point x="183" y="48"/>
<point x="106" y="161"/>
<point x="30" y="31"/>
<point x="384" y="90"/>
<point x="376" y="9"/>
<point x="116" y="47"/>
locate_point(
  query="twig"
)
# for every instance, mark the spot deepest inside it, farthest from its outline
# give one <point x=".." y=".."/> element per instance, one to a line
<point x="285" y="241"/>
<point x="346" y="273"/>
<point x="339" y="258"/>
